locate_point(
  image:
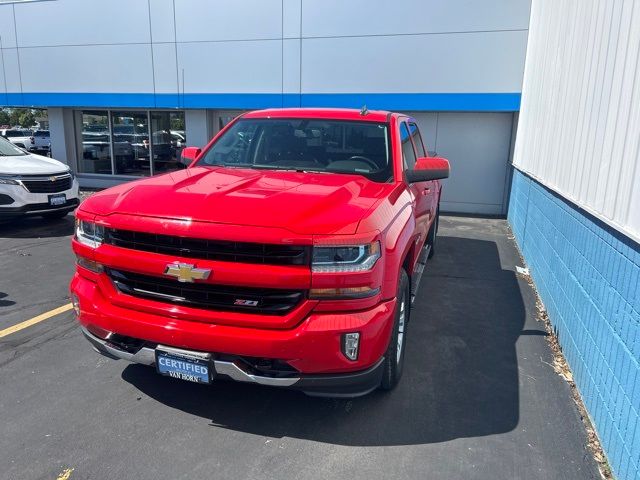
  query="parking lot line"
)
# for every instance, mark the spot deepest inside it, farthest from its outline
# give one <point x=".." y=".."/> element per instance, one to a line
<point x="34" y="320"/>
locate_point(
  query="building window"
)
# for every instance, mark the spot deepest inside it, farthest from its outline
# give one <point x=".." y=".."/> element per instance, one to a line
<point x="168" y="140"/>
<point x="131" y="143"/>
<point x="96" y="143"/>
<point x="131" y="150"/>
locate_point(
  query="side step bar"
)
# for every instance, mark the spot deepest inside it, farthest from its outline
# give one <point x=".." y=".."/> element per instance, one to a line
<point x="418" y="271"/>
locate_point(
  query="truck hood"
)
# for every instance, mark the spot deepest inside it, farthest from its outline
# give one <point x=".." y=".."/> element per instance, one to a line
<point x="30" y="164"/>
<point x="304" y="203"/>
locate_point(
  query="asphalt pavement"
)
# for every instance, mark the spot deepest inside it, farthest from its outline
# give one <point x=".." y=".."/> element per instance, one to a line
<point x="478" y="399"/>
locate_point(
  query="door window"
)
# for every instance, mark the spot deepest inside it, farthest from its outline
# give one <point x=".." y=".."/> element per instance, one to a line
<point x="408" y="153"/>
<point x="417" y="139"/>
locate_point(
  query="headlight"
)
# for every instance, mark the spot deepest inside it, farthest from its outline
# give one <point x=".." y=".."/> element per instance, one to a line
<point x="8" y="181"/>
<point x="88" y="233"/>
<point x="352" y="258"/>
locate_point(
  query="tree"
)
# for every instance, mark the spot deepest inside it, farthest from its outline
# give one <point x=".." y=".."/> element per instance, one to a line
<point x="27" y="119"/>
<point x="4" y="117"/>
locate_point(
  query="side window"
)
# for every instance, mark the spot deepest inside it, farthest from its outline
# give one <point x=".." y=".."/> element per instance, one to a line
<point x="408" y="154"/>
<point x="417" y="140"/>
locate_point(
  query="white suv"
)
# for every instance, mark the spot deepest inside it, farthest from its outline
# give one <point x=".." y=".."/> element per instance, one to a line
<point x="21" y="138"/>
<point x="34" y="185"/>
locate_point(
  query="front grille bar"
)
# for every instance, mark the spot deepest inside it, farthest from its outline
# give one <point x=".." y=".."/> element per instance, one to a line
<point x="265" y="301"/>
<point x="204" y="249"/>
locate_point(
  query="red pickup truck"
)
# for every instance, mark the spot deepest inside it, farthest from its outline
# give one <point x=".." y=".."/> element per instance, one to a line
<point x="287" y="254"/>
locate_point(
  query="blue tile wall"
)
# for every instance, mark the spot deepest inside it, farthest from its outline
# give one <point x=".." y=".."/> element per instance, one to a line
<point x="588" y="276"/>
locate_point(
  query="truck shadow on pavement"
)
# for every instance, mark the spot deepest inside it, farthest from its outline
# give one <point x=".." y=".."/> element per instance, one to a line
<point x="460" y="378"/>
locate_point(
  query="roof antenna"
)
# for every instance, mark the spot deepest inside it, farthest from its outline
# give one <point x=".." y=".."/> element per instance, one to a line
<point x="364" y="111"/>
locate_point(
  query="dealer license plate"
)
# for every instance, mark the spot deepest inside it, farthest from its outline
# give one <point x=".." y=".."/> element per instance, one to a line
<point x="190" y="366"/>
<point x="57" y="200"/>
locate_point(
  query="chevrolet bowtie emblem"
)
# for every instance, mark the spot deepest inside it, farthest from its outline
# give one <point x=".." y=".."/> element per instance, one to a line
<point x="52" y="179"/>
<point x="186" y="272"/>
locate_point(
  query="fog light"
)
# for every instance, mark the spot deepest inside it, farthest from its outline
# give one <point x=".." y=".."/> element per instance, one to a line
<point x="350" y="345"/>
<point x="76" y="304"/>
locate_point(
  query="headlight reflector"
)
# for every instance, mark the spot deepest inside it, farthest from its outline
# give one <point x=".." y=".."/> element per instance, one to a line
<point x="89" y="234"/>
<point x="347" y="258"/>
<point x="8" y="181"/>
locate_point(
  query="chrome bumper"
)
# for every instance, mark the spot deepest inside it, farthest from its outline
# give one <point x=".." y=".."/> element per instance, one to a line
<point x="147" y="356"/>
<point x="339" y="385"/>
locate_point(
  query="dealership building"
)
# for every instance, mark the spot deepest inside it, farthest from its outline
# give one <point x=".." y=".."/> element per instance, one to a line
<point x="119" y="77"/>
<point x="536" y="103"/>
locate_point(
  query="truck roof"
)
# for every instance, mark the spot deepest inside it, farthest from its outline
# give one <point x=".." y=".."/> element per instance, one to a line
<point x="324" y="113"/>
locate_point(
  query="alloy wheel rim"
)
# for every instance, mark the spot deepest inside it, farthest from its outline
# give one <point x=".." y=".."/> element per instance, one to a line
<point x="401" y="326"/>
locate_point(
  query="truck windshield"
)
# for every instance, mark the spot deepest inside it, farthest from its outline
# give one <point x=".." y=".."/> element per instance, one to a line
<point x="8" y="149"/>
<point x="308" y="145"/>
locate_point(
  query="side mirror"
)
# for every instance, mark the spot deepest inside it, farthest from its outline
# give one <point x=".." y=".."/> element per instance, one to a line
<point x="189" y="154"/>
<point x="428" y="168"/>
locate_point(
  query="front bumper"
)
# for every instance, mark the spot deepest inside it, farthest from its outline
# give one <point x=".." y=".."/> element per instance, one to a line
<point x="312" y="348"/>
<point x="334" y="385"/>
<point x="35" y="209"/>
<point x="26" y="203"/>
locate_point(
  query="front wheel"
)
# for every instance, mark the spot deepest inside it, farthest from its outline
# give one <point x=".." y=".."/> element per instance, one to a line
<point x="394" y="358"/>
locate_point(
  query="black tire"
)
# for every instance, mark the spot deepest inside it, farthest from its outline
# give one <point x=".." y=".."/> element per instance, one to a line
<point x="433" y="235"/>
<point x="55" y="215"/>
<point x="394" y="362"/>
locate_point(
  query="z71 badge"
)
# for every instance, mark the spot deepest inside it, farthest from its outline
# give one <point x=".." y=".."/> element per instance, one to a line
<point x="246" y="303"/>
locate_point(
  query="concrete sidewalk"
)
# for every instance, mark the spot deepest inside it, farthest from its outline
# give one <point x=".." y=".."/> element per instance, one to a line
<point x="478" y="399"/>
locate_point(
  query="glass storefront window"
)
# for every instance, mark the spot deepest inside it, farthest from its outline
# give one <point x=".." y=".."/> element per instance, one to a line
<point x="96" y="143"/>
<point x="122" y="142"/>
<point x="168" y="139"/>
<point x="131" y="151"/>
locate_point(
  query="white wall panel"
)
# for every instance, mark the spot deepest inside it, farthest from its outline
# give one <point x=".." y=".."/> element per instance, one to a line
<point x="291" y="18"/>
<point x="580" y="117"/>
<point x="479" y="62"/>
<point x="291" y="66"/>
<point x="7" y="30"/>
<point x="214" y="20"/>
<point x="3" y="86"/>
<point x="11" y="70"/>
<point x="165" y="71"/>
<point x="162" y="26"/>
<point x="328" y="18"/>
<point x="82" y="22"/>
<point x="96" y="68"/>
<point x="220" y="67"/>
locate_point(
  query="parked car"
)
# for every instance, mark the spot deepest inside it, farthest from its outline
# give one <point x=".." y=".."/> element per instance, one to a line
<point x="41" y="141"/>
<point x="34" y="185"/>
<point x="287" y="254"/>
<point x="96" y="153"/>
<point x="21" y="138"/>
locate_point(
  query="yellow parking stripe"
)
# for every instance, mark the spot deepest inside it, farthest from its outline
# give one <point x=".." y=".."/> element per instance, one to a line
<point x="34" y="320"/>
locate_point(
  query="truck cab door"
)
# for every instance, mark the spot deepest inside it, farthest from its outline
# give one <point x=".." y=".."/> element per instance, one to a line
<point x="429" y="189"/>
<point x="420" y="190"/>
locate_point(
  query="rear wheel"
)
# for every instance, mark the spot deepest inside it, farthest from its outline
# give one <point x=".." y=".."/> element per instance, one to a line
<point x="394" y="357"/>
